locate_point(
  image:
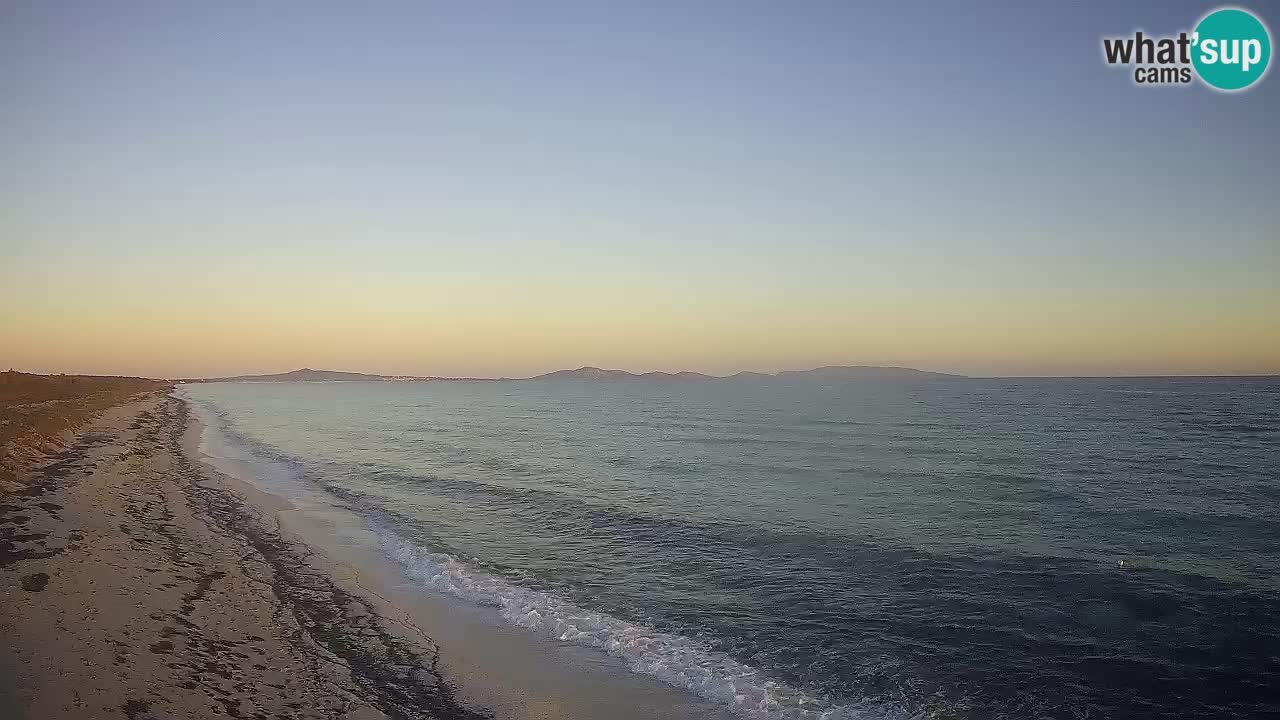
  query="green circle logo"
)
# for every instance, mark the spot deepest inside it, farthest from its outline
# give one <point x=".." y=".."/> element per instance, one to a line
<point x="1231" y="49"/>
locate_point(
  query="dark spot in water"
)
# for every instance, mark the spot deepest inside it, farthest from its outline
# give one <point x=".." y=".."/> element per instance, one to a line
<point x="35" y="582"/>
<point x="1147" y="607"/>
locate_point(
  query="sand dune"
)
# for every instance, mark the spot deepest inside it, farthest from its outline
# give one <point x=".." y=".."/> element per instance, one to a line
<point x="39" y="413"/>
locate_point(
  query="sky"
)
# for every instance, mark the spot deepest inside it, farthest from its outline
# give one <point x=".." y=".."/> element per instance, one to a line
<point x="506" y="188"/>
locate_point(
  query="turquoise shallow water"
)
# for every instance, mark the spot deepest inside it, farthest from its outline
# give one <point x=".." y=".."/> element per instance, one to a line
<point x="967" y="548"/>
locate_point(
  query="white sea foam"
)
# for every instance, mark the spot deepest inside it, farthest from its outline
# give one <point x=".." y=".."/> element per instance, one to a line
<point x="674" y="659"/>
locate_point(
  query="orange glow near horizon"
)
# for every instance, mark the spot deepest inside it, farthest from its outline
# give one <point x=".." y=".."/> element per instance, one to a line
<point x="158" y="320"/>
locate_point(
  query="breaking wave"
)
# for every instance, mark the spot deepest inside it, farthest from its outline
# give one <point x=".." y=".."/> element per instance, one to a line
<point x="674" y="659"/>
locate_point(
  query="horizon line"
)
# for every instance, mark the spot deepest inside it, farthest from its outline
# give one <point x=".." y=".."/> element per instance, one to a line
<point x="400" y="377"/>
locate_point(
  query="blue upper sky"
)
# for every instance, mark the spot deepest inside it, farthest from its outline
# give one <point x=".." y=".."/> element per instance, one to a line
<point x="984" y="149"/>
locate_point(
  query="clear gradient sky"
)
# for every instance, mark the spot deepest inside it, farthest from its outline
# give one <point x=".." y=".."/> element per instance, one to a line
<point x="485" y="188"/>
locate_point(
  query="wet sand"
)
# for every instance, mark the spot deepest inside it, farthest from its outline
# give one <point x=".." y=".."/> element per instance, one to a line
<point x="138" y="582"/>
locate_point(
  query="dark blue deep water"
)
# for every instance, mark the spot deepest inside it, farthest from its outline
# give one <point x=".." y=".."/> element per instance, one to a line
<point x="957" y="549"/>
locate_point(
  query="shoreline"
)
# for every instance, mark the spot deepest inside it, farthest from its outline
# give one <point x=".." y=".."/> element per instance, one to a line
<point x="137" y="580"/>
<point x="506" y="670"/>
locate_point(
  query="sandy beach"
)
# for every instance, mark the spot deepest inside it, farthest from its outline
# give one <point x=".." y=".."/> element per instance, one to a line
<point x="131" y="589"/>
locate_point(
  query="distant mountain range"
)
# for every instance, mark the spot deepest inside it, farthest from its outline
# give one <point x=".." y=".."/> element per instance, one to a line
<point x="303" y="375"/>
<point x="828" y="374"/>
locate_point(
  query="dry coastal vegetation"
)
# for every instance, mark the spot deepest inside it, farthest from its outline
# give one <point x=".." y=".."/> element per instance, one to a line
<point x="39" y="414"/>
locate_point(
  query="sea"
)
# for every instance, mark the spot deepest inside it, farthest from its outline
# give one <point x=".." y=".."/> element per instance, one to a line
<point x="952" y="548"/>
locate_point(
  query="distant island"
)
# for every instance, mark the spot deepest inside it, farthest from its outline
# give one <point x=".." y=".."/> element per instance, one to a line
<point x="307" y="375"/>
<point x="827" y="374"/>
